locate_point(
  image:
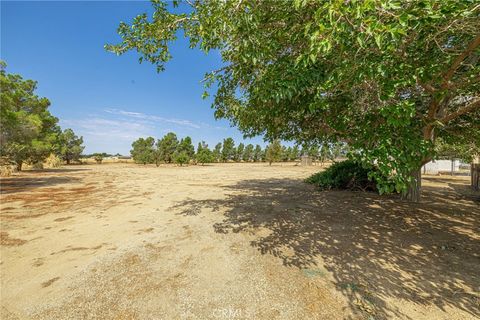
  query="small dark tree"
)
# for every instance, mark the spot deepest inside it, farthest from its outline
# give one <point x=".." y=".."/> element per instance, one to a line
<point x="273" y="152"/>
<point x="200" y="146"/>
<point x="312" y="151"/>
<point x="98" y="157"/>
<point x="295" y="153"/>
<point x="248" y="153"/>
<point x="285" y="156"/>
<point x="324" y="153"/>
<point x="239" y="152"/>
<point x="228" y="149"/>
<point x="217" y="152"/>
<point x="257" y="153"/>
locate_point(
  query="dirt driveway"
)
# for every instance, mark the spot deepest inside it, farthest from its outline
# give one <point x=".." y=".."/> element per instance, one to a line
<point x="232" y="241"/>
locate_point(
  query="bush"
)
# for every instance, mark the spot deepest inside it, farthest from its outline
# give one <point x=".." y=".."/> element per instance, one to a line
<point x="37" y="165"/>
<point x="98" y="157"/>
<point x="53" y="161"/>
<point x="7" y="167"/>
<point x="348" y="175"/>
<point x="7" y="170"/>
<point x="205" y="156"/>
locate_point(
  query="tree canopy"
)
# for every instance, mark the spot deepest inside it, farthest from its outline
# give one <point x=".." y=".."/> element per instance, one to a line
<point x="204" y="154"/>
<point x="228" y="149"/>
<point x="464" y="152"/>
<point x="273" y="152"/>
<point x="386" y="76"/>
<point x="70" y="146"/>
<point x="29" y="132"/>
<point x="166" y="147"/>
<point x="186" y="146"/>
<point x="248" y="153"/>
<point x="143" y="150"/>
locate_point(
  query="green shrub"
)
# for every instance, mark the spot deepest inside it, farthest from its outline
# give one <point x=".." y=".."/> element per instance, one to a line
<point x="349" y="175"/>
<point x="205" y="156"/>
<point x="98" y="157"/>
<point x="181" y="157"/>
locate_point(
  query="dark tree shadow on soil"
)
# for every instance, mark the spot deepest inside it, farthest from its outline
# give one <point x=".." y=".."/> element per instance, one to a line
<point x="378" y="248"/>
<point x="56" y="170"/>
<point x="22" y="184"/>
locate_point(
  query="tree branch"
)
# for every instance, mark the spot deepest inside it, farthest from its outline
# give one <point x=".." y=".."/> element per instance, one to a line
<point x="468" y="108"/>
<point x="451" y="71"/>
<point x="214" y="72"/>
<point x="435" y="104"/>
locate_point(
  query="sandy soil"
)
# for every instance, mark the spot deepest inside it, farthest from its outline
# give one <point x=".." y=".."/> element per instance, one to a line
<point x="233" y="241"/>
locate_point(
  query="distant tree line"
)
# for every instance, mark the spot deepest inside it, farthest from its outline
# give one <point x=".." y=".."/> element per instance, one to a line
<point x="29" y="133"/>
<point x="170" y="149"/>
<point x="103" y="154"/>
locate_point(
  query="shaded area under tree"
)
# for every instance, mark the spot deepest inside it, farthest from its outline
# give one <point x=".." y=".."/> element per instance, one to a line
<point x="427" y="253"/>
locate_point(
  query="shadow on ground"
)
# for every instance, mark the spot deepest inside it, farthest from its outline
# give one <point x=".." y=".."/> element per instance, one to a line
<point x="378" y="248"/>
<point x="22" y="184"/>
<point x="57" y="170"/>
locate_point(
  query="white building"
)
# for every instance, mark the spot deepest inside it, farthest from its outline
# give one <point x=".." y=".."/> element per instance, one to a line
<point x="436" y="166"/>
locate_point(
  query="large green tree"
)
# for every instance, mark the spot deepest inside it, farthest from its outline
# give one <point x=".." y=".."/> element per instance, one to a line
<point x="166" y="147"/>
<point x="386" y="76"/>
<point x="185" y="151"/>
<point x="70" y="146"/>
<point x="143" y="150"/>
<point x="228" y="149"/>
<point x="186" y="146"/>
<point x="28" y="132"/>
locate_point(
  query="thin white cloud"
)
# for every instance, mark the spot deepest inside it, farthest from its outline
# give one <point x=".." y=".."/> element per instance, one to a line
<point x="113" y="130"/>
<point x="107" y="128"/>
<point x="206" y="125"/>
<point x="149" y="117"/>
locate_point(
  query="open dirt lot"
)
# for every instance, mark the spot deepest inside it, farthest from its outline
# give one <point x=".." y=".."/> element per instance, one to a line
<point x="233" y="241"/>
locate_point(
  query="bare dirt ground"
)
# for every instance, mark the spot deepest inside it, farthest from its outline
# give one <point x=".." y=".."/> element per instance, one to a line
<point x="233" y="241"/>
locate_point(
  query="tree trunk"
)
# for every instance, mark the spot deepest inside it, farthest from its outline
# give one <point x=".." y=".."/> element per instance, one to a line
<point x="68" y="160"/>
<point x="19" y="165"/>
<point x="475" y="176"/>
<point x="414" y="188"/>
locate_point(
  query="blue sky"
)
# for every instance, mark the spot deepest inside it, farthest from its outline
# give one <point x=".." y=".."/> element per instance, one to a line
<point x="109" y="100"/>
